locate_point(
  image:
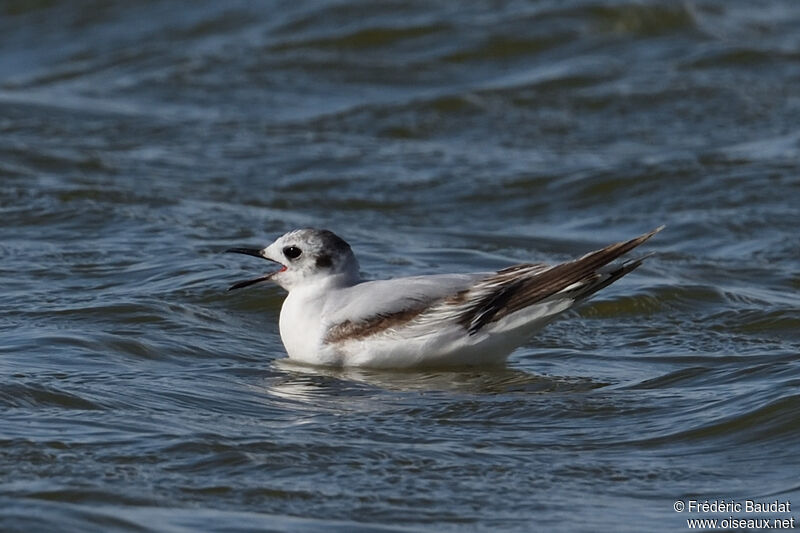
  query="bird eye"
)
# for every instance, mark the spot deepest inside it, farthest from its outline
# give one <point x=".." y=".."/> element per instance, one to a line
<point x="292" y="252"/>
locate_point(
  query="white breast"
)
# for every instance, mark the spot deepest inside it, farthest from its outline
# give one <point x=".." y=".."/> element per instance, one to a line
<point x="302" y="328"/>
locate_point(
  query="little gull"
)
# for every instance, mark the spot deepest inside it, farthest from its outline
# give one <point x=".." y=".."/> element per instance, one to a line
<point x="332" y="317"/>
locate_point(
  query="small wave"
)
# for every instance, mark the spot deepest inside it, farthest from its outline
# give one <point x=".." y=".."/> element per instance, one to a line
<point x="363" y="38"/>
<point x="682" y="377"/>
<point x="37" y="395"/>
<point x="772" y="423"/>
<point x="736" y="56"/>
<point x="643" y="19"/>
<point x="654" y="300"/>
<point x="776" y="323"/>
<point x="504" y="47"/>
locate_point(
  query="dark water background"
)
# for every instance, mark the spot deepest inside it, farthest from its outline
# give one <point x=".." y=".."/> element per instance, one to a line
<point x="140" y="139"/>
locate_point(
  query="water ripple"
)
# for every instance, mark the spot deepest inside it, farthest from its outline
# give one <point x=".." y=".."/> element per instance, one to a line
<point x="139" y="395"/>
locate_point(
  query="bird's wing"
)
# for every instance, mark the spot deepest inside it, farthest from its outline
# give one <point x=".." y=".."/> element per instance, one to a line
<point x="515" y="288"/>
<point x="372" y="307"/>
<point x="472" y="300"/>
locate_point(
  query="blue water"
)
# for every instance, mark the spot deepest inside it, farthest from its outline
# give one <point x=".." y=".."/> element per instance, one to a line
<point x="138" y="140"/>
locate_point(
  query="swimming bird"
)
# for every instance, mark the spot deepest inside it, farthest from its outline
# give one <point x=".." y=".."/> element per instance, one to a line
<point x="332" y="317"/>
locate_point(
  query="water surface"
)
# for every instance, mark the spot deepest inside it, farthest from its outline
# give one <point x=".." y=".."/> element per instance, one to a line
<point x="139" y="140"/>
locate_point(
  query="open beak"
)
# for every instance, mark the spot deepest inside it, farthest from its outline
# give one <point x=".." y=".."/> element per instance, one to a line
<point x="255" y="253"/>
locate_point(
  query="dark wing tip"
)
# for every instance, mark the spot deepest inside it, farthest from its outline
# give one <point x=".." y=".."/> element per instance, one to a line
<point x="512" y="294"/>
<point x="657" y="230"/>
<point x="636" y="241"/>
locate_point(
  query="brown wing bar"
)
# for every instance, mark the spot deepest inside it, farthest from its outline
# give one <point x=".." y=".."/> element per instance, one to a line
<point x="503" y="293"/>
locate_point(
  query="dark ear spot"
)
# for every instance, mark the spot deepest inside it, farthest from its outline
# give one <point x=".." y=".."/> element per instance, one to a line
<point x="324" y="261"/>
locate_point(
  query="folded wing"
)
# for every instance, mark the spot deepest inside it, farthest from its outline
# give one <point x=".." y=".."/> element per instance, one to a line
<point x="474" y="300"/>
<point x="515" y="288"/>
